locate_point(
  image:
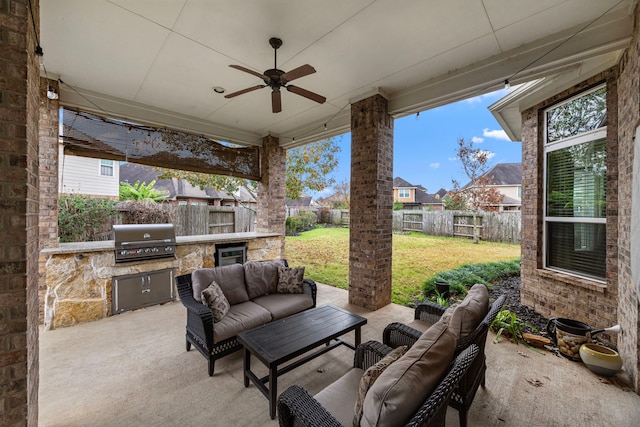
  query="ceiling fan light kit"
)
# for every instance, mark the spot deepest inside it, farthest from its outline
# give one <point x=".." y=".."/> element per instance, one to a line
<point x="276" y="79"/>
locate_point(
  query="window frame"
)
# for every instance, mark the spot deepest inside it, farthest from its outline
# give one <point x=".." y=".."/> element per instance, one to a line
<point x="101" y="165"/>
<point x="548" y="147"/>
<point x="401" y="191"/>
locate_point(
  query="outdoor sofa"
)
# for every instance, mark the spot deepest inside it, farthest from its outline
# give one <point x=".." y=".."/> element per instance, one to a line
<point x="474" y="330"/>
<point x="386" y="386"/>
<point x="249" y="295"/>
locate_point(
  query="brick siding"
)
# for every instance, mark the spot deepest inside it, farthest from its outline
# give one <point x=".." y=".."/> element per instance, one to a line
<point x="19" y="105"/>
<point x="371" y="203"/>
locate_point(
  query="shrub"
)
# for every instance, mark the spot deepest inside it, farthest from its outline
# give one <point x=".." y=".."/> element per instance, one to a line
<point x="303" y="222"/>
<point x="147" y="212"/>
<point x="82" y="218"/>
<point x="465" y="276"/>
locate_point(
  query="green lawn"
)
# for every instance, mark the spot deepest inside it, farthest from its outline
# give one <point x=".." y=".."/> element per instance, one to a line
<point x="416" y="257"/>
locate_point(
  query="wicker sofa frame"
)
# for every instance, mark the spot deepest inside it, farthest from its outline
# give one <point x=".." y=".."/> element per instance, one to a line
<point x="200" y="324"/>
<point x="296" y="407"/>
<point x="397" y="334"/>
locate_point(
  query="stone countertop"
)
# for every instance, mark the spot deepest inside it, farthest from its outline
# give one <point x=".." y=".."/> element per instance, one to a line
<point x="108" y="245"/>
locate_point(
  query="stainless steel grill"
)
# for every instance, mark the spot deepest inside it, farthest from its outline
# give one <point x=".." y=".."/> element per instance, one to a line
<point x="135" y="242"/>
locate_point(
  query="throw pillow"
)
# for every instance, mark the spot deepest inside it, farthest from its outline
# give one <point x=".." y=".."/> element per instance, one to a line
<point x="214" y="298"/>
<point x="446" y="316"/>
<point x="290" y="280"/>
<point x="371" y="375"/>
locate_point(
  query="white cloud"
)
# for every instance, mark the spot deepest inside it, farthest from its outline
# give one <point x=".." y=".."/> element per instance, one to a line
<point x="487" y="96"/>
<point x="435" y="165"/>
<point x="453" y="159"/>
<point x="497" y="134"/>
<point x="477" y="140"/>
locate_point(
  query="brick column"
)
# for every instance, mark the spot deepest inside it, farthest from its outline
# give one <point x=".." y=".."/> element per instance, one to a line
<point x="371" y="203"/>
<point x="48" y="174"/>
<point x="19" y="102"/>
<point x="272" y="190"/>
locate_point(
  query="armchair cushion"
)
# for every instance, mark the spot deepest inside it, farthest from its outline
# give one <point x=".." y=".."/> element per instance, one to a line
<point x="290" y="280"/>
<point x="261" y="277"/>
<point x="403" y="387"/>
<point x="470" y="312"/>
<point x="229" y="277"/>
<point x="214" y="298"/>
<point x="339" y="397"/>
<point x="370" y="376"/>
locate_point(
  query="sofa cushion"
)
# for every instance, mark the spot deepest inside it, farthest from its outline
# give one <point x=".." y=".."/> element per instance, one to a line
<point x="229" y="277"/>
<point x="241" y="317"/>
<point x="214" y="298"/>
<point x="404" y="386"/>
<point x="371" y="375"/>
<point x="283" y="305"/>
<point x="261" y="277"/>
<point x="290" y="280"/>
<point x="470" y="312"/>
<point x="339" y="397"/>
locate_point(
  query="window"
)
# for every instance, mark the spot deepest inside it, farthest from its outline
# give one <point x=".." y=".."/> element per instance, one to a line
<point x="575" y="185"/>
<point x="106" y="167"/>
<point x="403" y="193"/>
<point x="519" y="191"/>
<point x="182" y="203"/>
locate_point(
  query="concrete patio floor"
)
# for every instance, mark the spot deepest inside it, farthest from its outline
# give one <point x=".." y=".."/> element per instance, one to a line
<point x="132" y="369"/>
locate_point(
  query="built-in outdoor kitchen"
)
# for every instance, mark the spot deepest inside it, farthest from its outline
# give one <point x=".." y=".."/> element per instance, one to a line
<point x="88" y="281"/>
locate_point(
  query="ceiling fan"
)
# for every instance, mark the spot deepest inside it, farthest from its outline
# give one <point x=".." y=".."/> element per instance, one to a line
<point x="277" y="79"/>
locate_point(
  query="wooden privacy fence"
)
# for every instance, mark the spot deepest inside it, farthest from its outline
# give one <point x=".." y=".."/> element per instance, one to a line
<point x="192" y="220"/>
<point x="491" y="226"/>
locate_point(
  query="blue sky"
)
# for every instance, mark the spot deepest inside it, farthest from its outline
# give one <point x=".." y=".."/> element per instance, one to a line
<point x="424" y="146"/>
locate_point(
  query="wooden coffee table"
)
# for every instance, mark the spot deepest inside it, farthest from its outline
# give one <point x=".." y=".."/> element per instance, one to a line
<point x="282" y="340"/>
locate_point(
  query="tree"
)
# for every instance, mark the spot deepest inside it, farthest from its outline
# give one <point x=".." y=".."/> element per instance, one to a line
<point x="479" y="193"/>
<point x="455" y="200"/>
<point x="140" y="192"/>
<point x="343" y="198"/>
<point x="309" y="167"/>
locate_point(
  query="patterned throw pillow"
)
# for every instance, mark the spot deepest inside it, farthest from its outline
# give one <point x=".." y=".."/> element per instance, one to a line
<point x="213" y="298"/>
<point x="290" y="280"/>
<point x="371" y="375"/>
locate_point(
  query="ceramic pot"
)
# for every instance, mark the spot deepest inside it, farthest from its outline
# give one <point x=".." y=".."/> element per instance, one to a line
<point x="600" y="359"/>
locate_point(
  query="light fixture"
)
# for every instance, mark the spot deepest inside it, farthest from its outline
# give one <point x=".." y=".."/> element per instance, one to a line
<point x="52" y="93"/>
<point x="506" y="84"/>
<point x="218" y="89"/>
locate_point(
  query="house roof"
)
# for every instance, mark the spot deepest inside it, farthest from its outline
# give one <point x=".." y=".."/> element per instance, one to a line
<point x="441" y="192"/>
<point x="510" y="201"/>
<point x="401" y="183"/>
<point x="177" y="188"/>
<point x="303" y="202"/>
<point x="135" y="68"/>
<point x="506" y="174"/>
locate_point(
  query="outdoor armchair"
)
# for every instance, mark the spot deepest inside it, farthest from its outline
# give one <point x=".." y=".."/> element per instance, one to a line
<point x="427" y="313"/>
<point x="296" y="407"/>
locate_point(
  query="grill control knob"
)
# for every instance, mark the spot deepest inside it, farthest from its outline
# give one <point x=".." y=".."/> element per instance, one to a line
<point x="154" y="249"/>
<point x="147" y="250"/>
<point x="168" y="249"/>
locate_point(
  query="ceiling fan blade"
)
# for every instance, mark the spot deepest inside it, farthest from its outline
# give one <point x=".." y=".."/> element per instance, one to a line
<point x="247" y="70"/>
<point x="307" y="94"/>
<point x="296" y="73"/>
<point x="276" y="101"/>
<point x="240" y="92"/>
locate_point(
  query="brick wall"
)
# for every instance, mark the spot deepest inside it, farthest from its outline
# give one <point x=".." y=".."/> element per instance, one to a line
<point x="628" y="121"/>
<point x="19" y="101"/>
<point x="48" y="177"/>
<point x="272" y="190"/>
<point x="554" y="294"/>
<point x="371" y="203"/>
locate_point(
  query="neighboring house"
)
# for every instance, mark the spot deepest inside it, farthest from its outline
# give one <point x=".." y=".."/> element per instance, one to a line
<point x="88" y="176"/>
<point x="305" y="202"/>
<point x="507" y="179"/>
<point x="336" y="199"/>
<point x="416" y="196"/>
<point x="180" y="191"/>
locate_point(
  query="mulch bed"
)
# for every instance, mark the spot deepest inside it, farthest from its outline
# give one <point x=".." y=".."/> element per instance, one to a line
<point x="511" y="288"/>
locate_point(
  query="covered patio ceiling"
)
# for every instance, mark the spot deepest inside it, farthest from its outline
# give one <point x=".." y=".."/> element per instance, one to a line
<point x="157" y="61"/>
